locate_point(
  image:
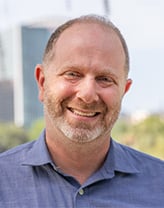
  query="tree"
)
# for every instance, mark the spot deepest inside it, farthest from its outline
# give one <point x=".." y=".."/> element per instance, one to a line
<point x="146" y="135"/>
<point x="11" y="136"/>
<point x="36" y="129"/>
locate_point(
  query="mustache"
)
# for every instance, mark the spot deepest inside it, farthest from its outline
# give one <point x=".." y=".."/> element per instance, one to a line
<point x="95" y="106"/>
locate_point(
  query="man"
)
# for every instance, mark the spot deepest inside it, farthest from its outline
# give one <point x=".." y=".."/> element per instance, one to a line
<point x="75" y="162"/>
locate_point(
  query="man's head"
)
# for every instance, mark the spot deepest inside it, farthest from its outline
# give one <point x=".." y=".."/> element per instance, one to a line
<point x="83" y="79"/>
<point x="90" y="19"/>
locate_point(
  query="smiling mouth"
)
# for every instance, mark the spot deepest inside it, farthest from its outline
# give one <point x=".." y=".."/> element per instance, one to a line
<point x="82" y="113"/>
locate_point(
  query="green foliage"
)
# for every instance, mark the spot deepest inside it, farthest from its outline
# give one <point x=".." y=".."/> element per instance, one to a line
<point x="146" y="135"/>
<point x="36" y="129"/>
<point x="11" y="136"/>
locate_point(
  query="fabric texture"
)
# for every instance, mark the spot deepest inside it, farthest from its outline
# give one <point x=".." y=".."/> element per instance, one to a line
<point x="127" y="179"/>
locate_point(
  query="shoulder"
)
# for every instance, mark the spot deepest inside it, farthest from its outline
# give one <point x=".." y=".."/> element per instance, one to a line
<point x="142" y="156"/>
<point x="140" y="160"/>
<point x="15" y="154"/>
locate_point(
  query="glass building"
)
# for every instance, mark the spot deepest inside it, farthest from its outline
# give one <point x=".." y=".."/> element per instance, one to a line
<point x="22" y="49"/>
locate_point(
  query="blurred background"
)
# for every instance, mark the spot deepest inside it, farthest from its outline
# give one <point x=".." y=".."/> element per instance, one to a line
<point x="25" y="27"/>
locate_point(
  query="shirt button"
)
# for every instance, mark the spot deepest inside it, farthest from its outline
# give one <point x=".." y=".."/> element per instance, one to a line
<point x="81" y="192"/>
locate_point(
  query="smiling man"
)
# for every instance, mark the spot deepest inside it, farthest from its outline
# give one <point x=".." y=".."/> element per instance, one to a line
<point x="75" y="162"/>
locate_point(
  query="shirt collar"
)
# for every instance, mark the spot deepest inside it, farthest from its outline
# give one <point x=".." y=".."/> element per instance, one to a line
<point x="119" y="160"/>
<point x="38" y="154"/>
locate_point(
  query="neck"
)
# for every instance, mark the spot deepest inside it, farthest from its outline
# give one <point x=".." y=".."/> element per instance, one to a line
<point x="77" y="160"/>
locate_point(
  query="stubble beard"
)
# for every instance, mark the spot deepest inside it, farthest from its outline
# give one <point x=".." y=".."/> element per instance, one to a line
<point x="81" y="132"/>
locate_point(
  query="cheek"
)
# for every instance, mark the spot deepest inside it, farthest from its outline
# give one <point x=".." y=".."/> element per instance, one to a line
<point x="111" y="98"/>
<point x="113" y="104"/>
<point x="63" y="90"/>
<point x="59" y="91"/>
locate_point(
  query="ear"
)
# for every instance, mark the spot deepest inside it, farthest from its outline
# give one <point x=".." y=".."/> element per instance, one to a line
<point x="128" y="85"/>
<point x="40" y="78"/>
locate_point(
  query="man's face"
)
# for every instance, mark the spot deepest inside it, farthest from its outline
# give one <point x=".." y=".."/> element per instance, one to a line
<point x="84" y="83"/>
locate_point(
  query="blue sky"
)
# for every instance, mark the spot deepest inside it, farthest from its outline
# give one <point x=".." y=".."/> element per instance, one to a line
<point x="142" y="24"/>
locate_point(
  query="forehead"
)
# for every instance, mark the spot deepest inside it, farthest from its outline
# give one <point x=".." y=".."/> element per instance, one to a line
<point x="90" y="36"/>
<point x="89" y="31"/>
<point x="90" y="39"/>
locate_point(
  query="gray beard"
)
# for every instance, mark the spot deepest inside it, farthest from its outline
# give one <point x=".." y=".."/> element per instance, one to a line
<point x="81" y="133"/>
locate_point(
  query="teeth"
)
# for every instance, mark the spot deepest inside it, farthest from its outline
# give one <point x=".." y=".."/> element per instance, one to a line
<point x="79" y="113"/>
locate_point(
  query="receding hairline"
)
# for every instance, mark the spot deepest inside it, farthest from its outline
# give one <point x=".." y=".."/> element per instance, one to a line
<point x="90" y="19"/>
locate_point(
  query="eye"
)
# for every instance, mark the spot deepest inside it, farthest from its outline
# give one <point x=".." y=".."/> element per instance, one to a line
<point x="105" y="81"/>
<point x="72" y="75"/>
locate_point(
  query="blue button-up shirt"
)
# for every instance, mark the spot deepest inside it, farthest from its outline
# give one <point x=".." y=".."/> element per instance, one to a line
<point x="128" y="179"/>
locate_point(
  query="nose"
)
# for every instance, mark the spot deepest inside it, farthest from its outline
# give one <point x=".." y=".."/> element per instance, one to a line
<point x="87" y="91"/>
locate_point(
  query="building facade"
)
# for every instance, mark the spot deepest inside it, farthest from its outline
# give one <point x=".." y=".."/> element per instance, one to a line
<point x="6" y="101"/>
<point x="23" y="49"/>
